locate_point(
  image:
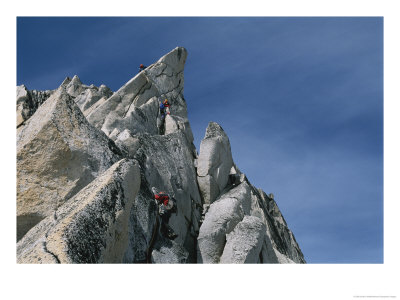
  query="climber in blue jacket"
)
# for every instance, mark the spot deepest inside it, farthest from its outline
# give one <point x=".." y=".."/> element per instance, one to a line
<point x="163" y="112"/>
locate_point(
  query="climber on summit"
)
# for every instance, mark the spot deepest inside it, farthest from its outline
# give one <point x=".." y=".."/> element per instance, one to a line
<point x="163" y="112"/>
<point x="166" y="205"/>
<point x="142" y="67"/>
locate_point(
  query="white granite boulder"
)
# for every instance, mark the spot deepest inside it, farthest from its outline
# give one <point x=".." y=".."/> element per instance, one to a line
<point x="214" y="162"/>
<point x="220" y="219"/>
<point x="244" y="243"/>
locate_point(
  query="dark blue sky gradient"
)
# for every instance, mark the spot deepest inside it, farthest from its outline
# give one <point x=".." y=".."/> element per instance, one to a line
<point x="301" y="100"/>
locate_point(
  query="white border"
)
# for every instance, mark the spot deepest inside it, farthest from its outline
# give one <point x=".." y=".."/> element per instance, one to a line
<point x="201" y="282"/>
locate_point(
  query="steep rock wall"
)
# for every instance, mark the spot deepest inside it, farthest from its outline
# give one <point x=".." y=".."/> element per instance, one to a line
<point x="220" y="217"/>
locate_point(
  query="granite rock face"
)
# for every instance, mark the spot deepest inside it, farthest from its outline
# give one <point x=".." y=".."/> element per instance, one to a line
<point x="89" y="161"/>
<point x="58" y="153"/>
<point x="130" y="117"/>
<point x="91" y="226"/>
<point x="167" y="164"/>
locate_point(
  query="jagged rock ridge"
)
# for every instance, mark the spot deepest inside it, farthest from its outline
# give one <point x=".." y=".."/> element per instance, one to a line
<point x="88" y="158"/>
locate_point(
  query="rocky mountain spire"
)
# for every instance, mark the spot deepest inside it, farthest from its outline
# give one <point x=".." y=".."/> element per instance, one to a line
<point x="89" y="161"/>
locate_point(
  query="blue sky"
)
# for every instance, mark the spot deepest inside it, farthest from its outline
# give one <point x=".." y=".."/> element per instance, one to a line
<point x="301" y="100"/>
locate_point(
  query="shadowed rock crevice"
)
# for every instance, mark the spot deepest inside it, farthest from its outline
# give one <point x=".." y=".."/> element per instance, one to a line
<point x="49" y="252"/>
<point x="26" y="222"/>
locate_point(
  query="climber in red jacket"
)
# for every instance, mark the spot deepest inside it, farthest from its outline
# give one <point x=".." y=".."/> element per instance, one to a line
<point x="165" y="207"/>
<point x="162" y="198"/>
